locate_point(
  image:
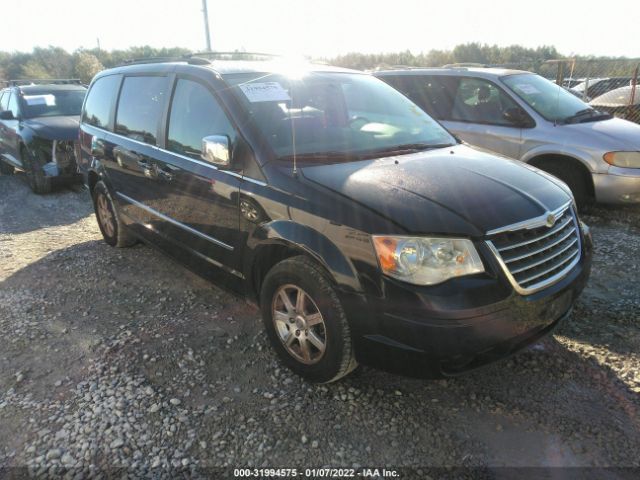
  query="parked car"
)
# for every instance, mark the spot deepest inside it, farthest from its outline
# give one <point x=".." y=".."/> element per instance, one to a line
<point x="38" y="127"/>
<point x="620" y="104"/>
<point x="364" y="231"/>
<point x="572" y="82"/>
<point x="526" y="117"/>
<point x="600" y="86"/>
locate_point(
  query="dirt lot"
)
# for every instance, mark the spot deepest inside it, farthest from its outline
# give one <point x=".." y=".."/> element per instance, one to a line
<point x="122" y="358"/>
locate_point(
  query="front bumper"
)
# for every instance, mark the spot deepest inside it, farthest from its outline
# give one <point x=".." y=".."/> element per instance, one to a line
<point x="619" y="185"/>
<point x="450" y="329"/>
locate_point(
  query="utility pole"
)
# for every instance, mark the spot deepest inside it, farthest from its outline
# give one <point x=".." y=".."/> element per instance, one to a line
<point x="205" y="12"/>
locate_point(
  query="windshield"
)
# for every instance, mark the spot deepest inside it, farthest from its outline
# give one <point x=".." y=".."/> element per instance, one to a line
<point x="52" y="103"/>
<point x="335" y="113"/>
<point x="548" y="99"/>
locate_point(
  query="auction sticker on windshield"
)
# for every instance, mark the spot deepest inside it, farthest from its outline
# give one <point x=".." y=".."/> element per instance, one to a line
<point x="264" y="92"/>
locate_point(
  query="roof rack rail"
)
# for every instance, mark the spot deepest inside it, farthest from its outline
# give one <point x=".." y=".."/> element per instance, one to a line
<point x="237" y="55"/>
<point x="198" y="58"/>
<point x="42" y="81"/>
<point x="184" y="58"/>
<point x="465" y="65"/>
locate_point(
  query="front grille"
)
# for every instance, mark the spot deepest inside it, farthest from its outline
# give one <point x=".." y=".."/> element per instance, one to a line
<point x="538" y="256"/>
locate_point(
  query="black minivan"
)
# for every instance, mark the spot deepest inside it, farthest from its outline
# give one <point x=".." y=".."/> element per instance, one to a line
<point x="364" y="230"/>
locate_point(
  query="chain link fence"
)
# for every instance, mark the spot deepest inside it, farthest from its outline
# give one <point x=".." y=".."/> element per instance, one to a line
<point x="606" y="85"/>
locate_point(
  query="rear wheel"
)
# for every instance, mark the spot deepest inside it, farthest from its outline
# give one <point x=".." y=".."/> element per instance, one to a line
<point x="306" y="322"/>
<point x="5" y="168"/>
<point x="114" y="232"/>
<point x="38" y="182"/>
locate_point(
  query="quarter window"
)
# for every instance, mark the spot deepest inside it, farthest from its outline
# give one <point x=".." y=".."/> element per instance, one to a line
<point x="480" y="101"/>
<point x="195" y="114"/>
<point x="4" y="101"/>
<point x="97" y="108"/>
<point x="140" y="107"/>
<point x="13" y="104"/>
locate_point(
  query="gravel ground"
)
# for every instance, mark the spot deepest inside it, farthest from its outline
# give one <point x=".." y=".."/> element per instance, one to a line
<point x="121" y="358"/>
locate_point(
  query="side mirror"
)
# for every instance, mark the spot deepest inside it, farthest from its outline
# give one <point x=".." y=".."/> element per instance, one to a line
<point x="215" y="150"/>
<point x="517" y="117"/>
<point x="7" y="115"/>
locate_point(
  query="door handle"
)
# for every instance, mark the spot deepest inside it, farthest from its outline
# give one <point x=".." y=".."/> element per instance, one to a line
<point x="164" y="174"/>
<point x="97" y="147"/>
<point x="147" y="169"/>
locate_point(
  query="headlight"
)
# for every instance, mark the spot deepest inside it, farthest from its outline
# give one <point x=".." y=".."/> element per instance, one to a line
<point x="623" y="159"/>
<point x="426" y="261"/>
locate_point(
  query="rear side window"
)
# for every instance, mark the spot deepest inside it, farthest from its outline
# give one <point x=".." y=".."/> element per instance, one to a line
<point x="195" y="114"/>
<point x="97" y="107"/>
<point x="140" y="107"/>
<point x="432" y="93"/>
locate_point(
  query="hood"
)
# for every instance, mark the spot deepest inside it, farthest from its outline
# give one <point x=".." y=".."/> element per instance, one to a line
<point x="451" y="191"/>
<point x="613" y="134"/>
<point x="54" y="128"/>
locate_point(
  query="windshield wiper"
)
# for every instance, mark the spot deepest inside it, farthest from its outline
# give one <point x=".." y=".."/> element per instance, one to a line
<point x="361" y="155"/>
<point x="588" y="114"/>
<point x="319" y="155"/>
<point x="409" y="148"/>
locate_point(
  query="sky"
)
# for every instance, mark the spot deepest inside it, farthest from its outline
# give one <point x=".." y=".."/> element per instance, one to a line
<point x="324" y="28"/>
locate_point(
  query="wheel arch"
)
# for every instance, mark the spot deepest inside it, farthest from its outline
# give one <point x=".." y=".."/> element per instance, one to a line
<point x="540" y="160"/>
<point x="278" y="240"/>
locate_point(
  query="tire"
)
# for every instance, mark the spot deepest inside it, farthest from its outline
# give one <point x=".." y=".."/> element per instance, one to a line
<point x="5" y="168"/>
<point x="574" y="177"/>
<point x="114" y="232"/>
<point x="288" y="278"/>
<point x="38" y="182"/>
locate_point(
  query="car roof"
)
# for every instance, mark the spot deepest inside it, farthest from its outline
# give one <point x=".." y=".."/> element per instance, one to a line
<point x="489" y="72"/>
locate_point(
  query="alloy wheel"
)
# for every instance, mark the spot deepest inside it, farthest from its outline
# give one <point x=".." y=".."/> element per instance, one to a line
<point x="299" y="324"/>
<point x="105" y="215"/>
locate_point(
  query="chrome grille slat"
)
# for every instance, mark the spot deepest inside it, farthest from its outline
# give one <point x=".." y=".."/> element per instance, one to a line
<point x="555" y="229"/>
<point x="534" y="255"/>
<point x="554" y="267"/>
<point x="545" y="259"/>
<point x="542" y="248"/>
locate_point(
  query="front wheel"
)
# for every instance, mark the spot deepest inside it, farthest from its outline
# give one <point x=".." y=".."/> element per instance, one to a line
<point x="38" y="181"/>
<point x="5" y="168"/>
<point x="306" y="322"/>
<point x="576" y="179"/>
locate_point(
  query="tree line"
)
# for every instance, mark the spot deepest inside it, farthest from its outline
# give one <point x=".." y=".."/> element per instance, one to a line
<point x="55" y="62"/>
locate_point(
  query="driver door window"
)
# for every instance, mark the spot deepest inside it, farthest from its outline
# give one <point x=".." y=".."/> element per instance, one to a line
<point x="195" y="114"/>
<point x="481" y="101"/>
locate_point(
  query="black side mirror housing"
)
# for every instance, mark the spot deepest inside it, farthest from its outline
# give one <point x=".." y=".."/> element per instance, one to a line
<point x="518" y="117"/>
<point x="7" y="115"/>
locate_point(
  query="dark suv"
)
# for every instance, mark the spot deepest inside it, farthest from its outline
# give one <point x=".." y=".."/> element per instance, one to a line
<point x="38" y="127"/>
<point x="362" y="228"/>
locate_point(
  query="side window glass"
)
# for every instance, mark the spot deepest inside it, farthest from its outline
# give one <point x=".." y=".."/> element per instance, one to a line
<point x="97" y="108"/>
<point x="432" y="94"/>
<point x="195" y="114"/>
<point x="4" y="101"/>
<point x="481" y="101"/>
<point x="13" y="104"/>
<point x="140" y="107"/>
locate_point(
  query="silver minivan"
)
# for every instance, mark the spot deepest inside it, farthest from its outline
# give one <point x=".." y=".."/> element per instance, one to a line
<point x="525" y="116"/>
